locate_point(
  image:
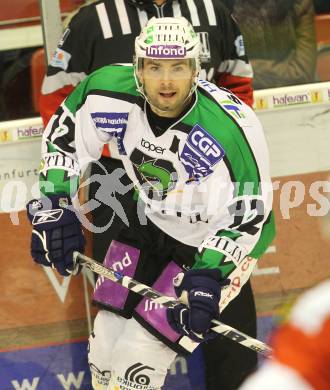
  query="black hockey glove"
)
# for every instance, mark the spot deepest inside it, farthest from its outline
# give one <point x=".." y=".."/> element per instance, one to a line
<point x="203" y="287"/>
<point x="56" y="232"/>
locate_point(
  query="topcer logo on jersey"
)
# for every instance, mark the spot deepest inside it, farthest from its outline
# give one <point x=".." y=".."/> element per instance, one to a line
<point x="166" y="51"/>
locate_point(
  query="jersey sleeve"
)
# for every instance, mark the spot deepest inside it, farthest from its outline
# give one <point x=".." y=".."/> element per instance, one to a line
<point x="235" y="71"/>
<point x="242" y="227"/>
<point x="70" y="63"/>
<point x="240" y="191"/>
<point x="70" y="141"/>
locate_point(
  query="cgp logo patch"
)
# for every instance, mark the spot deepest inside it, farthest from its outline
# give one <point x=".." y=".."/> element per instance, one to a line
<point x="114" y="123"/>
<point x="200" y="153"/>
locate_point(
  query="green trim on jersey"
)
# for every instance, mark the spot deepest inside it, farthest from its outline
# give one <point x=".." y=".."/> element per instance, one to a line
<point x="57" y="181"/>
<point x="210" y="258"/>
<point x="109" y="78"/>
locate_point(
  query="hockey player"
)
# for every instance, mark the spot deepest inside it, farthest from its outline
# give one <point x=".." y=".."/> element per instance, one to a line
<point x="301" y="347"/>
<point x="103" y="33"/>
<point x="96" y="36"/>
<point x="199" y="162"/>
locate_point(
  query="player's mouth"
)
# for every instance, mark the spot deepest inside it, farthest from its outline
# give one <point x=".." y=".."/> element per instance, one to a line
<point x="167" y="95"/>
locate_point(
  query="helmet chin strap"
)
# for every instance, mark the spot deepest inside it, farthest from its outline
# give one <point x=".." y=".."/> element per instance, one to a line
<point x="140" y="89"/>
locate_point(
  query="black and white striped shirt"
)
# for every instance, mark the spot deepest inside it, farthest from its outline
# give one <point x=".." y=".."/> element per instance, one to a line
<point x="104" y="32"/>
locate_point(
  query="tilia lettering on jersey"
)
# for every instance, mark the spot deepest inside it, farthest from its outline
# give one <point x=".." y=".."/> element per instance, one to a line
<point x="59" y="161"/>
<point x="225" y="245"/>
<point x="200" y="153"/>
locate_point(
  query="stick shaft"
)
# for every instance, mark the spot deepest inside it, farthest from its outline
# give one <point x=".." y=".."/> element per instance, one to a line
<point x="170" y="302"/>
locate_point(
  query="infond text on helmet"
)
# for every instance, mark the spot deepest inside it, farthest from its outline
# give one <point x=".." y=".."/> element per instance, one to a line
<point x="166" y="51"/>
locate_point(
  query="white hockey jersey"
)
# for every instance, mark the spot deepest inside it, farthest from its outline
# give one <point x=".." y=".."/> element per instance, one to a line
<point x="205" y="181"/>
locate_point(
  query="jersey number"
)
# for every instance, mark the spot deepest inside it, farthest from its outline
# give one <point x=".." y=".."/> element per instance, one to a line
<point x="247" y="214"/>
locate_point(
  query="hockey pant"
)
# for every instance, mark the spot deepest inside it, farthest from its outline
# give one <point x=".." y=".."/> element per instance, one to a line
<point x="154" y="258"/>
<point x="122" y="351"/>
<point x="124" y="355"/>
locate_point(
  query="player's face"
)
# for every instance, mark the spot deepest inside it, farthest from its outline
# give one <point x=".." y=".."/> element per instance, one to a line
<point x="167" y="84"/>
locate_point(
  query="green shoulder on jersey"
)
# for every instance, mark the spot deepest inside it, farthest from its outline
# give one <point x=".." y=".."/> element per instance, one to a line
<point x="113" y="78"/>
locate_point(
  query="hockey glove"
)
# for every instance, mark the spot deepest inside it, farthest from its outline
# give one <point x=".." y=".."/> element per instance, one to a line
<point x="203" y="288"/>
<point x="56" y="232"/>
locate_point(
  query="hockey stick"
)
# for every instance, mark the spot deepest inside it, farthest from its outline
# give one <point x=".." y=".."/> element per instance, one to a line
<point x="157" y="297"/>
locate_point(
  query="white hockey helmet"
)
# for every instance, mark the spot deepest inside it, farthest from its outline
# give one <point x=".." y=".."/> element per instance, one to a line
<point x="167" y="38"/>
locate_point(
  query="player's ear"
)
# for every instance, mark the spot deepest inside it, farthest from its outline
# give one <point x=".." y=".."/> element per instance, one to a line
<point x="139" y="75"/>
<point x="195" y="71"/>
<point x="138" y="63"/>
